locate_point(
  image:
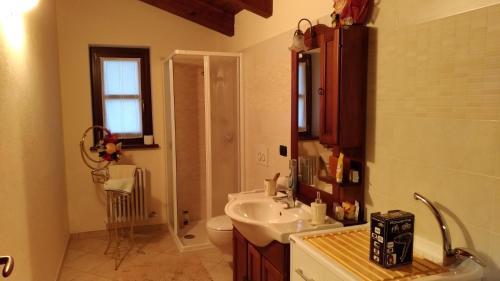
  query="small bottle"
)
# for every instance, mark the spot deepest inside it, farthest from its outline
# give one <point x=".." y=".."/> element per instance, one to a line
<point x="340" y="168"/>
<point x="318" y="210"/>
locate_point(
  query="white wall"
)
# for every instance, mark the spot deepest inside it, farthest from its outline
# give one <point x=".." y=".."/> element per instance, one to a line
<point x="127" y="23"/>
<point x="32" y="195"/>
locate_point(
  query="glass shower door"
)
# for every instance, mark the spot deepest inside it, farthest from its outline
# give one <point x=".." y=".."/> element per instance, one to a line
<point x="224" y="112"/>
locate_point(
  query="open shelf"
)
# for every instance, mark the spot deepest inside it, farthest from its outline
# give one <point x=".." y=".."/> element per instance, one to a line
<point x="333" y="181"/>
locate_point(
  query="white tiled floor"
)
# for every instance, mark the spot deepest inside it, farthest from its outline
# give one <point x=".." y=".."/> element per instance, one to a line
<point x="159" y="261"/>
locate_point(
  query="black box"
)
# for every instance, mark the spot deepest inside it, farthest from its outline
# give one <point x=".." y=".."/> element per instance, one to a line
<point x="391" y="238"/>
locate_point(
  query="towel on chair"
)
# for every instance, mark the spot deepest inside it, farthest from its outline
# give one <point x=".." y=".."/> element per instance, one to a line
<point x="121" y="178"/>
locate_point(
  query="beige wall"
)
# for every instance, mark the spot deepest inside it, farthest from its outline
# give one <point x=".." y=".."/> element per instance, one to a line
<point x="266" y="76"/>
<point x="433" y="125"/>
<point x="433" y="117"/>
<point x="127" y="23"/>
<point x="32" y="195"/>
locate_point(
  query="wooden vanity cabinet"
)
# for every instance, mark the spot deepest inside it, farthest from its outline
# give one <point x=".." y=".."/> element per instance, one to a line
<point x="240" y="256"/>
<point x="252" y="263"/>
<point x="343" y="67"/>
<point x="254" y="266"/>
<point x="270" y="273"/>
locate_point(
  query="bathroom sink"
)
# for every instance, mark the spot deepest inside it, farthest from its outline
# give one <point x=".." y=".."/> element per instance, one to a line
<point x="261" y="220"/>
<point x="266" y="210"/>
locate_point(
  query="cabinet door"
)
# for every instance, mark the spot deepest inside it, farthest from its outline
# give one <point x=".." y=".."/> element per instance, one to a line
<point x="352" y="102"/>
<point x="270" y="273"/>
<point x="239" y="256"/>
<point x="305" y="267"/>
<point x="254" y="264"/>
<point x="329" y="92"/>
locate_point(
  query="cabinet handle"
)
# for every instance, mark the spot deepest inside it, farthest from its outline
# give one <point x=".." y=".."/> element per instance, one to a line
<point x="301" y="274"/>
<point x="321" y="92"/>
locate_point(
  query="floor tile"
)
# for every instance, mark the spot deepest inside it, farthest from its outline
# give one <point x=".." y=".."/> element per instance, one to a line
<point x="68" y="274"/>
<point x="154" y="258"/>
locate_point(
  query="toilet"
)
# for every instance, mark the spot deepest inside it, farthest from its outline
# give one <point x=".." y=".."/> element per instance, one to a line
<point x="220" y="233"/>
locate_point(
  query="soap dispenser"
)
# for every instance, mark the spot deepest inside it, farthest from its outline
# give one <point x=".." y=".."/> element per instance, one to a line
<point x="318" y="210"/>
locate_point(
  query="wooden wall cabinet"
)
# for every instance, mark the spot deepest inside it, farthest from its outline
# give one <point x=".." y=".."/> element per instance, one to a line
<point x="252" y="263"/>
<point x="343" y="54"/>
<point x="343" y="60"/>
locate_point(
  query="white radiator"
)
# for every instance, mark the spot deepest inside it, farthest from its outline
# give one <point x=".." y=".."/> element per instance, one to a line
<point x="129" y="209"/>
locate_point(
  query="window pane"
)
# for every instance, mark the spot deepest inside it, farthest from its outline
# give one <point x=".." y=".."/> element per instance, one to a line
<point x="121" y="76"/>
<point x="302" y="78"/>
<point x="123" y="116"/>
<point x="302" y="114"/>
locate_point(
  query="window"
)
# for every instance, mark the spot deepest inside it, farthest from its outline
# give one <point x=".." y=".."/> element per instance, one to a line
<point x="304" y="96"/>
<point x="121" y="92"/>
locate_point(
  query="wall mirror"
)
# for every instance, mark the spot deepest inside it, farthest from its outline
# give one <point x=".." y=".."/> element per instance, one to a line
<point x="313" y="157"/>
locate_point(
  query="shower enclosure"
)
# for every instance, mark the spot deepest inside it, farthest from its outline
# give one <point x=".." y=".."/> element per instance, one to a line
<point x="202" y="100"/>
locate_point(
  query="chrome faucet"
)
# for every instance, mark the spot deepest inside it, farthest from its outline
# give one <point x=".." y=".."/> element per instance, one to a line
<point x="450" y="256"/>
<point x="289" y="199"/>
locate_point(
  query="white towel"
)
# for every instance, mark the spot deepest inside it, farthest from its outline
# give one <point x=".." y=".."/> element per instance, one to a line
<point x="121" y="178"/>
<point x="121" y="171"/>
<point x="123" y="184"/>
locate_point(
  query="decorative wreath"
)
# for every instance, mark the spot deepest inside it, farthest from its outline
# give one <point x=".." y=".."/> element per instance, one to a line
<point x="109" y="148"/>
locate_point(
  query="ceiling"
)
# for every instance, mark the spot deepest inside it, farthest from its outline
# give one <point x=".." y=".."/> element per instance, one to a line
<point x="217" y="15"/>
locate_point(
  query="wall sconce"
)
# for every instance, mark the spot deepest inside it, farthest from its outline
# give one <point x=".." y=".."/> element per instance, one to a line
<point x="298" y="43"/>
<point x="12" y="21"/>
<point x="17" y="6"/>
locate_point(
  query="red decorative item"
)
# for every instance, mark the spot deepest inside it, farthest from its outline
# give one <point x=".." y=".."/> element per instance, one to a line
<point x="109" y="148"/>
<point x="349" y="12"/>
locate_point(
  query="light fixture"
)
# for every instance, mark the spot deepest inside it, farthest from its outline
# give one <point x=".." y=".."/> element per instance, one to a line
<point x="12" y="21"/>
<point x="298" y="43"/>
<point x="17" y="6"/>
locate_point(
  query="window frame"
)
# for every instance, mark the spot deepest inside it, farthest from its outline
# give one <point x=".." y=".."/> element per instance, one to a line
<point x="98" y="52"/>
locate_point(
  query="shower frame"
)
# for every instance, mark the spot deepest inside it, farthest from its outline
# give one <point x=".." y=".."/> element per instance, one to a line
<point x="208" y="141"/>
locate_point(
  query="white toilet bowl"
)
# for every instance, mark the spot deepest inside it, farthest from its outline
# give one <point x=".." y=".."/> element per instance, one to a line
<point x="220" y="233"/>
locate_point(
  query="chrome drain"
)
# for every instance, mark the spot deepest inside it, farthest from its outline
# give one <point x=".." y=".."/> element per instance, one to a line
<point x="189" y="236"/>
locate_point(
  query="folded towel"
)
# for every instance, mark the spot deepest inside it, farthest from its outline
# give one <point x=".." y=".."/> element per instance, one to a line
<point x="121" y="178"/>
<point x="121" y="171"/>
<point x="123" y="184"/>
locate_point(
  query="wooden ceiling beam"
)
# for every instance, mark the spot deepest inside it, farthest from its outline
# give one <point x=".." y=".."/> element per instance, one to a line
<point x="200" y="12"/>
<point x="263" y="8"/>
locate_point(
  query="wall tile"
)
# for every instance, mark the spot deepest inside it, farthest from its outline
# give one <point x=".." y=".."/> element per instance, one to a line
<point x="495" y="226"/>
<point x="496" y="152"/>
<point x="493" y="258"/>
<point x="435" y="127"/>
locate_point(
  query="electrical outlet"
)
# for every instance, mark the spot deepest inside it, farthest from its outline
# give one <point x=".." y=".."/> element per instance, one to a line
<point x="283" y="150"/>
<point x="262" y="155"/>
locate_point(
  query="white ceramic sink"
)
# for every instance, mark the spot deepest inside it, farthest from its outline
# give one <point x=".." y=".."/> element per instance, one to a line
<point x="261" y="220"/>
